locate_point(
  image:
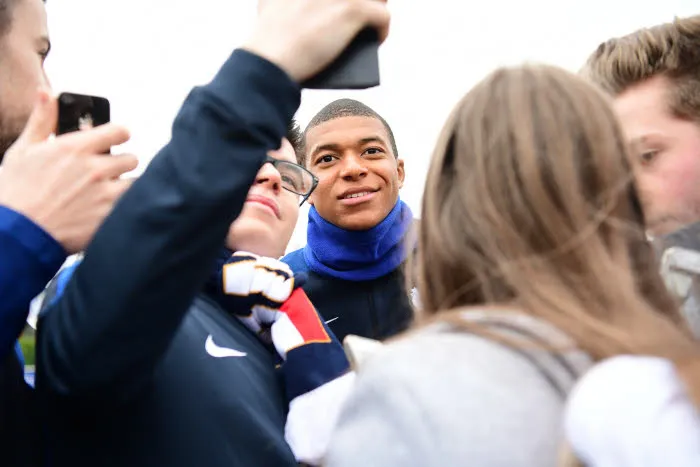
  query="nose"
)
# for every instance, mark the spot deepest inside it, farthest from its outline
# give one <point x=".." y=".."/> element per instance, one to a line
<point x="270" y="177"/>
<point x="353" y="168"/>
<point x="47" y="81"/>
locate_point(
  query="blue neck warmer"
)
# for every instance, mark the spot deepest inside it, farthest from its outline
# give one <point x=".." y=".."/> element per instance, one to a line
<point x="358" y="255"/>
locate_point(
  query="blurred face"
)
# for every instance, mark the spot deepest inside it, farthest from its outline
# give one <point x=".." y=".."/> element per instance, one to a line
<point x="269" y="214"/>
<point x="359" y="176"/>
<point x="22" y="54"/>
<point x="665" y="156"/>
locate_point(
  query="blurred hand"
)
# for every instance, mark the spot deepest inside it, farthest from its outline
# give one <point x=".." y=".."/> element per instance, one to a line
<point x="68" y="185"/>
<point x="302" y="37"/>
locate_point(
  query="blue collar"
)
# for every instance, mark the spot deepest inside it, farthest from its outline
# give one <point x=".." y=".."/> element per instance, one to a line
<point x="358" y="255"/>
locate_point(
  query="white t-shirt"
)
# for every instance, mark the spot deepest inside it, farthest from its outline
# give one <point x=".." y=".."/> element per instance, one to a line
<point x="632" y="411"/>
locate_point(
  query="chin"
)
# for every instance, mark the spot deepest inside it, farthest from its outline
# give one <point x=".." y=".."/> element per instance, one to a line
<point x="262" y="242"/>
<point x="358" y="224"/>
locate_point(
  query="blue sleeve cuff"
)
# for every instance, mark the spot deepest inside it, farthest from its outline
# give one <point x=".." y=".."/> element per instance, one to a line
<point x="32" y="238"/>
<point x="311" y="366"/>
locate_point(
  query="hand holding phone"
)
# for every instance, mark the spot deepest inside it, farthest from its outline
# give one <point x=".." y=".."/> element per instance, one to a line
<point x="337" y="38"/>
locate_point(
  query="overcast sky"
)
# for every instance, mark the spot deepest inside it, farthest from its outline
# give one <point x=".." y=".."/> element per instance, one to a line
<point x="145" y="56"/>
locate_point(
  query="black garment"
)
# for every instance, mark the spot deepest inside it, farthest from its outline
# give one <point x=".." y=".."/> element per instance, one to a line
<point x="20" y="439"/>
<point x="376" y="309"/>
<point x="123" y="370"/>
<point x="198" y="409"/>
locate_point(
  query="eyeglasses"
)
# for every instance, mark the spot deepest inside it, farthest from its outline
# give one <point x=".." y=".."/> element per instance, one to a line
<point x="295" y="178"/>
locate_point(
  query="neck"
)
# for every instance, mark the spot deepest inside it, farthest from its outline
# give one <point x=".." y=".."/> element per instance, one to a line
<point x="358" y="254"/>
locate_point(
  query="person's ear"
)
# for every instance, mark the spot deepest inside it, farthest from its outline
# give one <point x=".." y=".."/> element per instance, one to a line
<point x="401" y="172"/>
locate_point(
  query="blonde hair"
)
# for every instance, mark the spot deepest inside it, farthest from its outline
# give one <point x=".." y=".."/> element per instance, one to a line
<point x="671" y="50"/>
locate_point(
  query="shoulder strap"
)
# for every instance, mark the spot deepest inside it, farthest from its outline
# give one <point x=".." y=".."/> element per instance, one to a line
<point x="559" y="370"/>
<point x="561" y="379"/>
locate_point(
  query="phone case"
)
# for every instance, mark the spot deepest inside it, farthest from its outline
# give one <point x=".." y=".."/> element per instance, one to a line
<point x="356" y="68"/>
<point x="76" y="111"/>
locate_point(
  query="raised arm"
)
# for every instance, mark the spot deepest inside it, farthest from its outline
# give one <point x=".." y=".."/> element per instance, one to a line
<point x="153" y="253"/>
<point x="125" y="301"/>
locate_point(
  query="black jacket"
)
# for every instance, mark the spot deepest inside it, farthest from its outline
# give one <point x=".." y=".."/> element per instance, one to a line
<point x="376" y="309"/>
<point x="21" y="440"/>
<point x="132" y="368"/>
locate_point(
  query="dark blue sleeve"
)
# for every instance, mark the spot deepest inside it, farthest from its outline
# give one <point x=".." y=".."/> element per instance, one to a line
<point x="121" y="308"/>
<point x="29" y="257"/>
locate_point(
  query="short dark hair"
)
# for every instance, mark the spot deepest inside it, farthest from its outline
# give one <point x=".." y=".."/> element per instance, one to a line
<point x="6" y="10"/>
<point x="346" y="108"/>
<point x="294" y="137"/>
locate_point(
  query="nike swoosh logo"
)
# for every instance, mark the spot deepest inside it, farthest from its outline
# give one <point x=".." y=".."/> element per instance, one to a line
<point x="331" y="320"/>
<point x="221" y="352"/>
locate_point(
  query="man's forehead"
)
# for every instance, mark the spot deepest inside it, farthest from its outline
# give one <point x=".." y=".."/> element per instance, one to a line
<point x="643" y="109"/>
<point x="285" y="152"/>
<point x="346" y="130"/>
<point x="648" y="95"/>
<point x="29" y="16"/>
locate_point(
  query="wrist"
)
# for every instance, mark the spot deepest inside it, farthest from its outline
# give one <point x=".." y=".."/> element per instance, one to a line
<point x="32" y="237"/>
<point x="278" y="56"/>
<point x="31" y="213"/>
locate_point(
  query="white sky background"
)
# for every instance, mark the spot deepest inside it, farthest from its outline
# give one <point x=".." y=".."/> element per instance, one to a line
<point x="145" y="56"/>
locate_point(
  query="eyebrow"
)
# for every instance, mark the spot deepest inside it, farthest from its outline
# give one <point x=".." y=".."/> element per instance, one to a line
<point x="325" y="147"/>
<point x="372" y="139"/>
<point x="336" y="147"/>
<point x="639" y="141"/>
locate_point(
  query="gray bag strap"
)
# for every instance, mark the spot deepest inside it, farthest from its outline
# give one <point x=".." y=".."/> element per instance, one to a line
<point x="560" y="382"/>
<point x="559" y="370"/>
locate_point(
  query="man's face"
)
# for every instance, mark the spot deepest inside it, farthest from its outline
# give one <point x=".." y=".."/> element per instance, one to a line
<point x="358" y="175"/>
<point x="22" y="53"/>
<point x="269" y="214"/>
<point x="665" y="156"/>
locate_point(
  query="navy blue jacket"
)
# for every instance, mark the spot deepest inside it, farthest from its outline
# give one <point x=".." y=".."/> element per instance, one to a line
<point x="134" y="366"/>
<point x="29" y="257"/>
<point x="376" y="309"/>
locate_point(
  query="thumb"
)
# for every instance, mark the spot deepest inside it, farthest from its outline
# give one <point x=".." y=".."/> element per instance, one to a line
<point x="43" y="119"/>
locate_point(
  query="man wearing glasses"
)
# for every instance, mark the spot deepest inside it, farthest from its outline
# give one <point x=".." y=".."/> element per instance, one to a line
<point x="270" y="212"/>
<point x="135" y="365"/>
<point x="215" y="373"/>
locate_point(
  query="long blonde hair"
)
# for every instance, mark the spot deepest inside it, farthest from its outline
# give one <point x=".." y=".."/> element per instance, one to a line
<point x="530" y="202"/>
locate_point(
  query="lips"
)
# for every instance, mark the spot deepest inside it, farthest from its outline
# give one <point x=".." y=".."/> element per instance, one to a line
<point x="357" y="193"/>
<point x="265" y="201"/>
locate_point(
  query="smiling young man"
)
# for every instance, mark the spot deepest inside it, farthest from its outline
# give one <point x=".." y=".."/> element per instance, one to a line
<point x="357" y="223"/>
<point x="653" y="77"/>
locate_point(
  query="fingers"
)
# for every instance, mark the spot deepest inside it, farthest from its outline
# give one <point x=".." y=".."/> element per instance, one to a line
<point x="98" y="140"/>
<point x="275" y="265"/>
<point x="376" y="14"/>
<point x="120" y="186"/>
<point x="42" y="121"/>
<point x="116" y="166"/>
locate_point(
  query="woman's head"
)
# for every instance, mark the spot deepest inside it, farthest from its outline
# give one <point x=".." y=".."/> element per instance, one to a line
<point x="530" y="201"/>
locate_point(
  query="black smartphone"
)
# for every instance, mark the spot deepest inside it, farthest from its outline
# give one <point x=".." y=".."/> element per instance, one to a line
<point x="81" y="111"/>
<point x="356" y="68"/>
